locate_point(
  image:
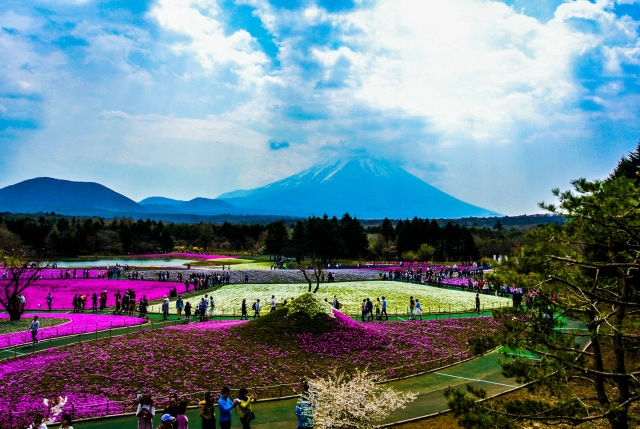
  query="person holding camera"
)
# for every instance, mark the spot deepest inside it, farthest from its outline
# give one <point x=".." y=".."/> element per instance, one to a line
<point x="225" y="405"/>
<point x="145" y="413"/>
<point x="246" y="413"/>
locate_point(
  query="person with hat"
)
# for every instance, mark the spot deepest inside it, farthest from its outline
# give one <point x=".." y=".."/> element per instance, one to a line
<point x="166" y="421"/>
<point x="165" y="308"/>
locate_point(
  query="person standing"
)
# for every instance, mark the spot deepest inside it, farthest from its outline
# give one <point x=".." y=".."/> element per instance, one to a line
<point x="212" y="306"/>
<point x="65" y="421"/>
<point x="207" y="412"/>
<point x="118" y="298"/>
<point x="418" y="309"/>
<point x="246" y="413"/>
<point x="165" y="309"/>
<point x="202" y="309"/>
<point x="132" y="306"/>
<point x="243" y="309"/>
<point x="477" y="303"/>
<point x="335" y="302"/>
<point x="125" y="302"/>
<point x="33" y="327"/>
<point x="146" y="412"/>
<point x="384" y="309"/>
<point x="225" y="405"/>
<point x="273" y="303"/>
<point x="49" y="301"/>
<point x="94" y="302"/>
<point x="182" y="419"/>
<point x="305" y="416"/>
<point x="167" y="421"/>
<point x="38" y="422"/>
<point x="378" y="307"/>
<point x="364" y="309"/>
<point x="412" y="305"/>
<point x="144" y="304"/>
<point x="187" y="312"/>
<point x="179" y="306"/>
<point x="369" y="310"/>
<point x="256" y="308"/>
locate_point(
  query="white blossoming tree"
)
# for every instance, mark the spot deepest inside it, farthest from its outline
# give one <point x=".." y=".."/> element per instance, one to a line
<point x="357" y="402"/>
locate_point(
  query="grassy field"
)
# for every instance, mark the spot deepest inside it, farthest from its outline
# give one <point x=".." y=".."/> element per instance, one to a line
<point x="7" y="327"/>
<point x="350" y="294"/>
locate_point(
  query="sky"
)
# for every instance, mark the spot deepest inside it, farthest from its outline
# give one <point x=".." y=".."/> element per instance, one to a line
<point x="493" y="102"/>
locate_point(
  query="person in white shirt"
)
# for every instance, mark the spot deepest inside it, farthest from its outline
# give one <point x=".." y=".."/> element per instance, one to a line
<point x="211" y="306"/>
<point x="273" y="303"/>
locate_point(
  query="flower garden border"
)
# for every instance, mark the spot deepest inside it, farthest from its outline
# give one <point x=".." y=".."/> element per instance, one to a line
<point x="451" y="359"/>
<point x="279" y="398"/>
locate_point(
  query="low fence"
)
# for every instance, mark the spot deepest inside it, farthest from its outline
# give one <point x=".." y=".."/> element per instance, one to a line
<point x="19" y="338"/>
<point x="113" y="328"/>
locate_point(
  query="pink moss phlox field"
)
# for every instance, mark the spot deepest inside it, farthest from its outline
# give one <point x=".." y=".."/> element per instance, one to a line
<point x="190" y="358"/>
<point x="222" y="324"/>
<point x="63" y="291"/>
<point x="397" y="342"/>
<point x="78" y="323"/>
<point x="456" y="282"/>
<point x="380" y="266"/>
<point x="181" y="256"/>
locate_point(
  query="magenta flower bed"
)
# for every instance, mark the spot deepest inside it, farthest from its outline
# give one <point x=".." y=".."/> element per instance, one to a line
<point x="397" y="342"/>
<point x="78" y="324"/>
<point x="455" y="282"/>
<point x="181" y="255"/>
<point x="63" y="291"/>
<point x="406" y="266"/>
<point x="191" y="358"/>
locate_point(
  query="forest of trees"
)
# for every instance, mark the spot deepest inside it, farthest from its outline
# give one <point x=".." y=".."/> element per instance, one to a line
<point x="324" y="238"/>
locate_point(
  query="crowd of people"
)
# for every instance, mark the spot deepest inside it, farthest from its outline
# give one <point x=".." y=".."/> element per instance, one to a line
<point x="174" y="414"/>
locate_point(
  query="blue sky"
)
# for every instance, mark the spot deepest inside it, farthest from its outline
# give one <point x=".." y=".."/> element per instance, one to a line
<point x="493" y="102"/>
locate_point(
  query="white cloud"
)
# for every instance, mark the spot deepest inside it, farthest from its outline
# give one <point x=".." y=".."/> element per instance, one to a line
<point x="470" y="68"/>
<point x="197" y="20"/>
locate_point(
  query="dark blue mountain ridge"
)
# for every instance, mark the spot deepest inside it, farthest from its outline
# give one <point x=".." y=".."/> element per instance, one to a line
<point x="45" y="194"/>
<point x="368" y="188"/>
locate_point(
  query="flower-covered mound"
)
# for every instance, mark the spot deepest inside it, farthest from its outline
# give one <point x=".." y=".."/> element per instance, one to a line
<point x="228" y="299"/>
<point x="74" y="323"/>
<point x="191" y="358"/>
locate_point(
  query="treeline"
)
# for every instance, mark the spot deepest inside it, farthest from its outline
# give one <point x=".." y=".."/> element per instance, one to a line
<point x="422" y="240"/>
<point x="320" y="238"/>
<point x="325" y="238"/>
<point x="59" y="235"/>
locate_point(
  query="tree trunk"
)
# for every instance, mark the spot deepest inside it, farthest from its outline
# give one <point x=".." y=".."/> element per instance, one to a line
<point x="14" y="314"/>
<point x="618" y="420"/>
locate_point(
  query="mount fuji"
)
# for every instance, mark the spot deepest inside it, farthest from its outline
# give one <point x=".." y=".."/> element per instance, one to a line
<point x="365" y="187"/>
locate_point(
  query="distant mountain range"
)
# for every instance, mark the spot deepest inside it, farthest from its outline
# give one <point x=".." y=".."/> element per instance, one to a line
<point x="366" y="188"/>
